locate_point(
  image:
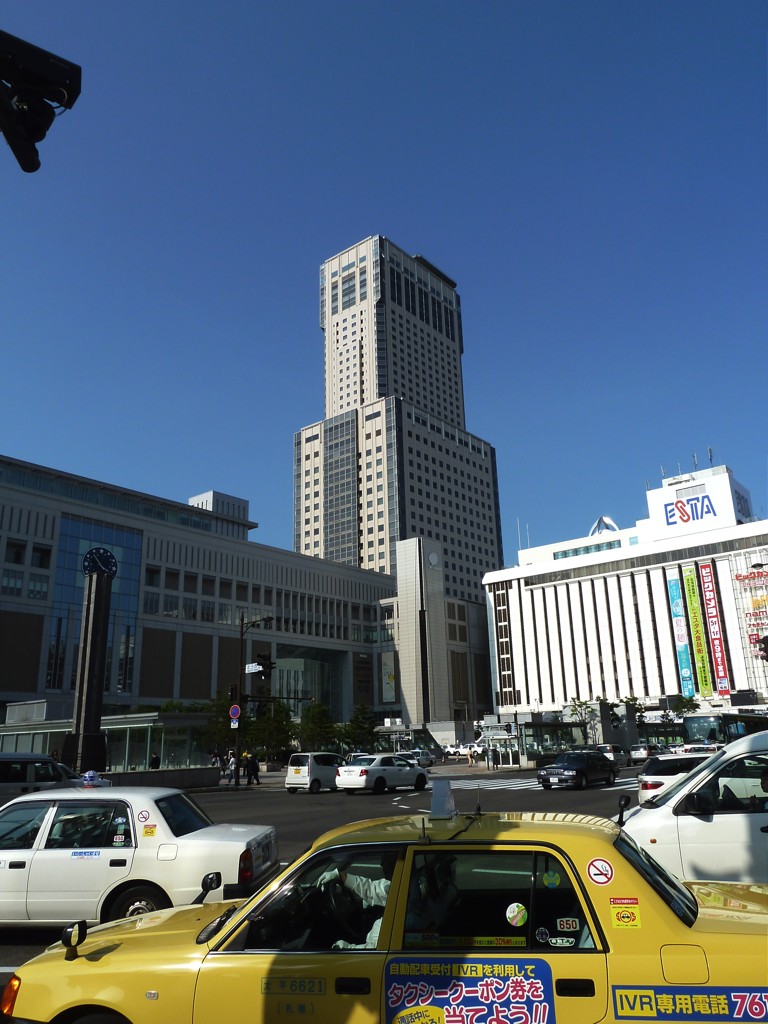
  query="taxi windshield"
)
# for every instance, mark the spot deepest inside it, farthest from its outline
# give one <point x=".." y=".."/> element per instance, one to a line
<point x="679" y="899"/>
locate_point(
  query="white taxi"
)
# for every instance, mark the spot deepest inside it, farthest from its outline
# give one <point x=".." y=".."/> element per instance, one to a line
<point x="379" y="773"/>
<point x="103" y="854"/>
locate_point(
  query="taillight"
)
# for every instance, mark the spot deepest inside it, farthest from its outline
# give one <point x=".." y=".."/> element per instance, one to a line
<point x="363" y="771"/>
<point x="8" y="1000"/>
<point x="651" y="785"/>
<point x="245" y="868"/>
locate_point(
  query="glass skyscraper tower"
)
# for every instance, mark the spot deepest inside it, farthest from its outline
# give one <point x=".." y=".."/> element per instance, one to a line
<point x="392" y="458"/>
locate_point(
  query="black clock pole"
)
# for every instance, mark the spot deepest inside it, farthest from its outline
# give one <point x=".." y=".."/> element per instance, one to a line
<point x="85" y="748"/>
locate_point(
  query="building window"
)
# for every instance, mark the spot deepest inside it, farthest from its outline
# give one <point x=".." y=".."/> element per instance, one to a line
<point x="37" y="587"/>
<point x="41" y="557"/>
<point x="15" y="551"/>
<point x="151" y="603"/>
<point x="171" y="606"/>
<point x="348" y="291"/>
<point x="12" y="582"/>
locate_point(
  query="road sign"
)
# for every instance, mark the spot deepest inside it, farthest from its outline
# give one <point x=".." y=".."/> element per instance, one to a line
<point x="254" y="667"/>
<point x="234" y="724"/>
<point x="234" y="711"/>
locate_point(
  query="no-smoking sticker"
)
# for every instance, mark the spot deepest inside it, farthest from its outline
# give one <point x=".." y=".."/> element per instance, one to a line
<point x="600" y="871"/>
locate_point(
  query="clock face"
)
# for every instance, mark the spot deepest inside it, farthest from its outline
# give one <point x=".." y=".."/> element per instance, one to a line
<point x="99" y="561"/>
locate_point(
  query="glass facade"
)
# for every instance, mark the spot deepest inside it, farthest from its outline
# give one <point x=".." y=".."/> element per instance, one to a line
<point x="76" y="535"/>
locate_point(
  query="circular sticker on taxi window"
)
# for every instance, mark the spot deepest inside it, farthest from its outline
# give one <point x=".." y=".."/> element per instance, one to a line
<point x="551" y="879"/>
<point x="516" y="914"/>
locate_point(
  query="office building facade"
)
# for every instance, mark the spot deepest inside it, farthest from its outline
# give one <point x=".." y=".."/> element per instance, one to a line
<point x="674" y="605"/>
<point x="392" y="458"/>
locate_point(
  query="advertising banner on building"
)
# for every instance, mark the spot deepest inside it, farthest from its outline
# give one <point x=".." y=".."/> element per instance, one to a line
<point x="698" y="636"/>
<point x="388" y="687"/>
<point x="682" y="648"/>
<point x="714" y="626"/>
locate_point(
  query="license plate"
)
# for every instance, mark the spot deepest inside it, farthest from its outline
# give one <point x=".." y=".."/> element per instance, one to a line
<point x="553" y="778"/>
<point x="297" y="771"/>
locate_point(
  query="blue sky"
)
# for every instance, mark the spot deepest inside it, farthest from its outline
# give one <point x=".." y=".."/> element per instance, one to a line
<point x="592" y="174"/>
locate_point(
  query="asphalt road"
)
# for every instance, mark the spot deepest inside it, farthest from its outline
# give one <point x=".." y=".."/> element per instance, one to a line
<point x="299" y="818"/>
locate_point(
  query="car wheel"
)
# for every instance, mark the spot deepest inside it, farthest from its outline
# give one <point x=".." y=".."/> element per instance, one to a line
<point x="611" y="778"/>
<point x="291" y="789"/>
<point x="581" y="781"/>
<point x="379" y="786"/>
<point x="546" y="785"/>
<point x="314" y="786"/>
<point x="140" y="899"/>
<point x="420" y="783"/>
<point x="391" y="789"/>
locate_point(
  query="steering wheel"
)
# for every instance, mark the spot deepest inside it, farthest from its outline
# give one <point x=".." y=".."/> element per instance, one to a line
<point x="346" y="909"/>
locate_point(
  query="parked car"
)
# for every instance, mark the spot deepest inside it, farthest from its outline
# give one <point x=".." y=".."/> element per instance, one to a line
<point x="662" y="769"/>
<point x="452" y="749"/>
<point x="579" y="769"/>
<point x="524" y="917"/>
<point x="614" y="753"/>
<point x="640" y="752"/>
<point x="712" y="822"/>
<point x="313" y="771"/>
<point x="423" y="758"/>
<point x="26" y="772"/>
<point x="379" y="773"/>
<point x="101" y="854"/>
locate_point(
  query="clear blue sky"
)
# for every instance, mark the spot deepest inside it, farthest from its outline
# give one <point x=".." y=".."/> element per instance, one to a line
<point x="593" y="174"/>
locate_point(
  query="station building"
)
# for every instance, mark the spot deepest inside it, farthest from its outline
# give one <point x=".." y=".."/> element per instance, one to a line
<point x="674" y="605"/>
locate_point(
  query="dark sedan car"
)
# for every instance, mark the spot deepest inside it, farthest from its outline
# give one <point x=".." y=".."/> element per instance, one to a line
<point x="579" y="769"/>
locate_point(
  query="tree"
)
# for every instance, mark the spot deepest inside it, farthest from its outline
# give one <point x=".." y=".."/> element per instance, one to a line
<point x="680" y="705"/>
<point x="637" y="706"/>
<point x="583" y="714"/>
<point x="317" y="730"/>
<point x="271" y="729"/>
<point x="359" y="733"/>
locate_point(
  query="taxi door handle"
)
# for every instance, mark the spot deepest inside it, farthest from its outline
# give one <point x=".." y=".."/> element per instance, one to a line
<point x="118" y="863"/>
<point x="353" y="986"/>
<point x="764" y="828"/>
<point x="16" y="864"/>
<point x="580" y="987"/>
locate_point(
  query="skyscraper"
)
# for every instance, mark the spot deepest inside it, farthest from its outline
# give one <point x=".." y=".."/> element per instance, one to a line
<point x="392" y="458"/>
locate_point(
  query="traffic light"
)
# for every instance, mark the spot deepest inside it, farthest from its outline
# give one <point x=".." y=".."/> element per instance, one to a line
<point x="763" y="645"/>
<point x="33" y="85"/>
<point x="267" y="668"/>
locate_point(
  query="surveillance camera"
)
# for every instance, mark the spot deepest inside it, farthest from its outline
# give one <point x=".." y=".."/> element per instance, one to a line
<point x="27" y="66"/>
<point x="33" y="83"/>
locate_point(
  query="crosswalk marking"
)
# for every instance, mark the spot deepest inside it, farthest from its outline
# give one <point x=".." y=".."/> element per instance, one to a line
<point x="521" y="783"/>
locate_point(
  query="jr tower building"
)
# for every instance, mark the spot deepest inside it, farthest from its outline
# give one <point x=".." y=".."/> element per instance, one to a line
<point x="392" y="459"/>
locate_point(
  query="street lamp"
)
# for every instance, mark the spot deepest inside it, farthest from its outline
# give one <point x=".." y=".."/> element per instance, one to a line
<point x="265" y="620"/>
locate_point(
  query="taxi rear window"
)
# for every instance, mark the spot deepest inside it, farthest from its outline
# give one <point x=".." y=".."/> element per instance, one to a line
<point x="182" y="814"/>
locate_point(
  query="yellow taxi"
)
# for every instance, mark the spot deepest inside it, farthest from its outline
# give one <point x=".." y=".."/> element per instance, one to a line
<point x="517" y="918"/>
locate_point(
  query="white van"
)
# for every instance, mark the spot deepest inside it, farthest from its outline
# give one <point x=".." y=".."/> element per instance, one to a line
<point x="312" y="771"/>
<point x="711" y="823"/>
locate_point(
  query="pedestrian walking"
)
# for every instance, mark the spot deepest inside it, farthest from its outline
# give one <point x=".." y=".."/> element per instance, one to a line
<point x="232" y="767"/>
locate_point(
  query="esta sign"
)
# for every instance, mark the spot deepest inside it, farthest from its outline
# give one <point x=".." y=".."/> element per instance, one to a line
<point x="686" y="510"/>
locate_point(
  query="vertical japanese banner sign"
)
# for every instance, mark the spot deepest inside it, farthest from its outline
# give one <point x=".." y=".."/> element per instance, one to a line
<point x="696" y="622"/>
<point x="682" y="649"/>
<point x="712" y="613"/>
<point x="388" y="688"/>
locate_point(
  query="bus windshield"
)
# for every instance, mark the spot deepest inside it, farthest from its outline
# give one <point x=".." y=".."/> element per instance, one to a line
<point x="704" y="727"/>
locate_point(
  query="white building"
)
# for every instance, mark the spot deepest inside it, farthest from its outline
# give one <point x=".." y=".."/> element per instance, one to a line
<point x="672" y="606"/>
